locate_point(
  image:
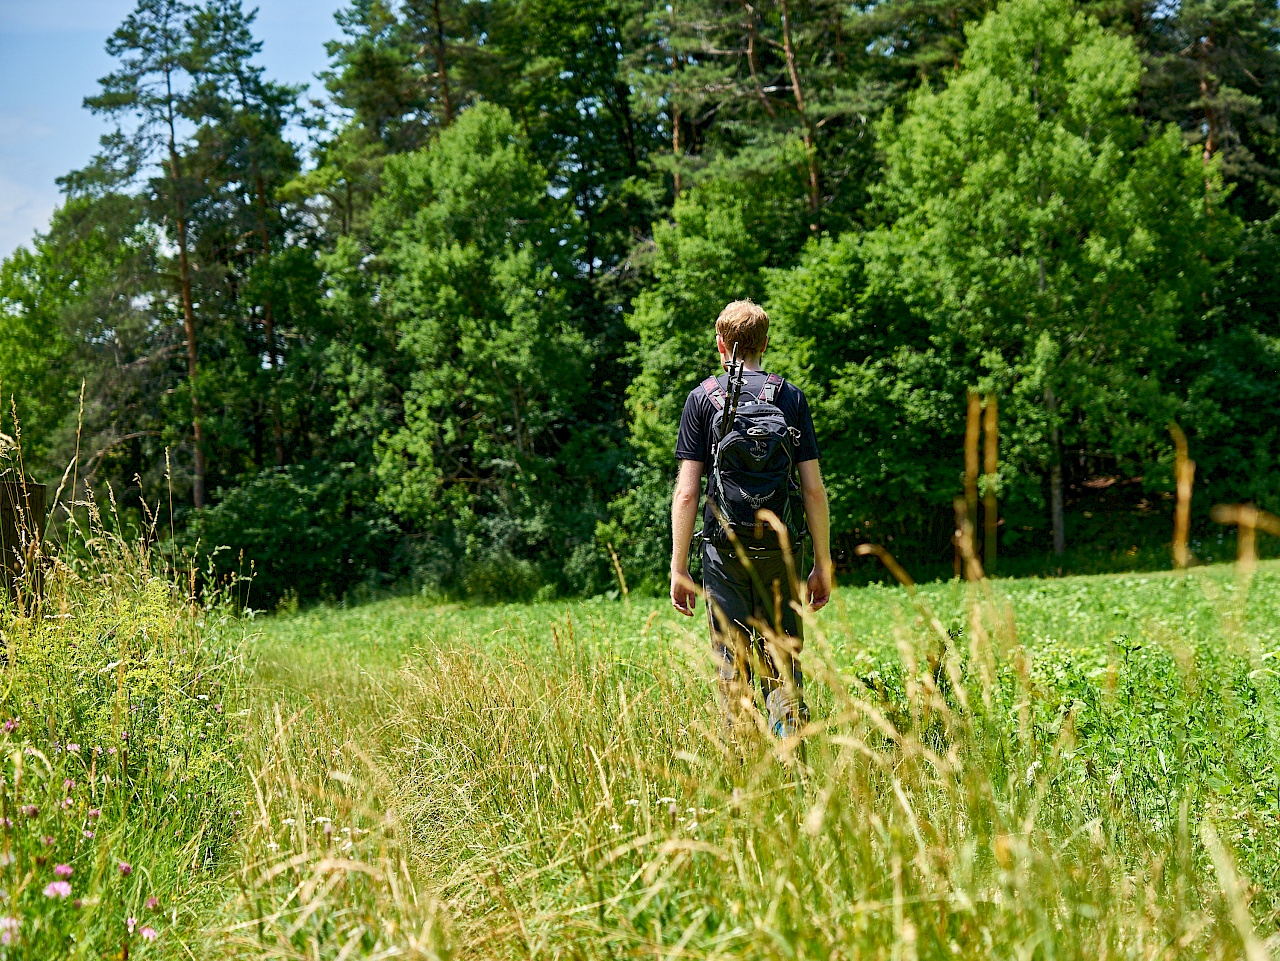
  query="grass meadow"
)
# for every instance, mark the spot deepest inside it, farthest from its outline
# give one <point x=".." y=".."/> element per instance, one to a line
<point x="1070" y="768"/>
<point x="1056" y="769"/>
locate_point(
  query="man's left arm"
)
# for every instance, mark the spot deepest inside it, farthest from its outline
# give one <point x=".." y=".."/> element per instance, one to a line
<point x="818" y="513"/>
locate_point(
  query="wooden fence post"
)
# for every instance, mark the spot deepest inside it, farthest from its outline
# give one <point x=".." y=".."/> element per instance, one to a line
<point x="990" y="467"/>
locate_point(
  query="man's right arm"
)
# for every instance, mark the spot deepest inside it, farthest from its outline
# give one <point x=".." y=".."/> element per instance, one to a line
<point x="684" y="515"/>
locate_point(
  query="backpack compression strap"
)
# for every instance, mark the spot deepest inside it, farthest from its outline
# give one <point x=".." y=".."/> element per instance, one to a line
<point x="715" y="392"/>
<point x="772" y="387"/>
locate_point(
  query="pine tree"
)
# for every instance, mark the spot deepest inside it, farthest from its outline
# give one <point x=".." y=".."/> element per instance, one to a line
<point x="242" y="118"/>
<point x="914" y="42"/>
<point x="148" y="96"/>
<point x="1215" y="71"/>
<point x="732" y="79"/>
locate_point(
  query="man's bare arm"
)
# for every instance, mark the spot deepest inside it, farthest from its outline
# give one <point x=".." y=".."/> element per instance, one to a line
<point x="684" y="515"/>
<point x="818" y="513"/>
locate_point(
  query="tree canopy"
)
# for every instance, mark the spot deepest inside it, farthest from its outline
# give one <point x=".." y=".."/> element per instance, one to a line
<point x="446" y="338"/>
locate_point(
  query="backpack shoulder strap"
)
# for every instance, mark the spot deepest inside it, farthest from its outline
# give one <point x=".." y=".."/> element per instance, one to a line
<point x="772" y="388"/>
<point x="714" y="392"/>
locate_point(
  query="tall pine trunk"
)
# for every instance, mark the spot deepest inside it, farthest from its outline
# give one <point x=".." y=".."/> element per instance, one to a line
<point x="814" y="190"/>
<point x="442" y="65"/>
<point x="189" y="323"/>
<point x="675" y="145"/>
<point x="269" y="326"/>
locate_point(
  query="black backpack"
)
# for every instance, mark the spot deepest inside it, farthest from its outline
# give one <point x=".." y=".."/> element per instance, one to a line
<point x="753" y="462"/>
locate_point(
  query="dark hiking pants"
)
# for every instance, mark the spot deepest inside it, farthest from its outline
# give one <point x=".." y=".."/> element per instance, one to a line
<point x="745" y="606"/>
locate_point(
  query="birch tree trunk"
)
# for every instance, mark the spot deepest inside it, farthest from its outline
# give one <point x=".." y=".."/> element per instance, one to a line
<point x="1055" y="474"/>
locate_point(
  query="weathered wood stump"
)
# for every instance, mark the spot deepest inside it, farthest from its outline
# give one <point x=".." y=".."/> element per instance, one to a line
<point x="22" y="515"/>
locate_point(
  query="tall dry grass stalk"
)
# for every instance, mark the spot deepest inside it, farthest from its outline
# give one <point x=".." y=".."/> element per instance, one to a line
<point x="972" y="435"/>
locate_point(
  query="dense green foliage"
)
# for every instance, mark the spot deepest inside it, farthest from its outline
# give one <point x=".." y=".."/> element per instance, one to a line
<point x="464" y="317"/>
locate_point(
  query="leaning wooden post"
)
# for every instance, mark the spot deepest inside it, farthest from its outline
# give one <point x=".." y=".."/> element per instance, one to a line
<point x="990" y="508"/>
<point x="1184" y="473"/>
<point x="972" y="426"/>
<point x="1248" y="520"/>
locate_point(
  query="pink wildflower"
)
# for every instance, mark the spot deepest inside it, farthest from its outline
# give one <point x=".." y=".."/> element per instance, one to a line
<point x="131" y="923"/>
<point x="68" y="785"/>
<point x="95" y="812"/>
<point x="148" y="934"/>
<point x="48" y="840"/>
<point x="8" y="928"/>
<point x="88" y="835"/>
<point x="73" y="748"/>
<point x="63" y="870"/>
<point x="57" y="889"/>
<point x="125" y="868"/>
<point x="10" y="724"/>
<point x="153" y="903"/>
<point x="67" y="802"/>
<point x="30" y="810"/>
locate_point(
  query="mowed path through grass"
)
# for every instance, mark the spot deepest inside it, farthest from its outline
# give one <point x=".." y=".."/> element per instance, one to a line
<point x="327" y="650"/>
<point x="1082" y="764"/>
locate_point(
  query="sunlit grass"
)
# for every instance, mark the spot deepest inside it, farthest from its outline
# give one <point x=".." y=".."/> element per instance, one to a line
<point x="120" y="783"/>
<point x="1066" y="769"/>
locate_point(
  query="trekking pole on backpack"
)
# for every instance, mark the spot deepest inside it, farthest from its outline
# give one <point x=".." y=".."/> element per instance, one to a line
<point x="733" y="390"/>
<point x="726" y="415"/>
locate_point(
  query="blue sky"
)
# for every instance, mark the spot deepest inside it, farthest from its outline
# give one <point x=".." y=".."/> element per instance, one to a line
<point x="51" y="56"/>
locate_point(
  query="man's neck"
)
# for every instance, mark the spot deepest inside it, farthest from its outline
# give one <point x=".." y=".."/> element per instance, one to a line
<point x="751" y="365"/>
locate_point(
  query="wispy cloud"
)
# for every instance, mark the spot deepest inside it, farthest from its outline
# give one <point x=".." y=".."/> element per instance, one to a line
<point x="15" y="127"/>
<point x="24" y="208"/>
<point x="62" y="16"/>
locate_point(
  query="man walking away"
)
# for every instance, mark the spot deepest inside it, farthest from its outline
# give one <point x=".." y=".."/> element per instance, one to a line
<point x="751" y="434"/>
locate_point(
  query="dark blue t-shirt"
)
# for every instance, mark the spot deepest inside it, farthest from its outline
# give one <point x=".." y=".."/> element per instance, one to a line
<point x="698" y="423"/>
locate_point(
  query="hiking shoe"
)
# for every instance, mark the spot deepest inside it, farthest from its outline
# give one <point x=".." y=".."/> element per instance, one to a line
<point x="786" y="715"/>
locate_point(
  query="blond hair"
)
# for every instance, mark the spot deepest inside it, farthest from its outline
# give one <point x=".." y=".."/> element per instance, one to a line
<point x="745" y="324"/>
